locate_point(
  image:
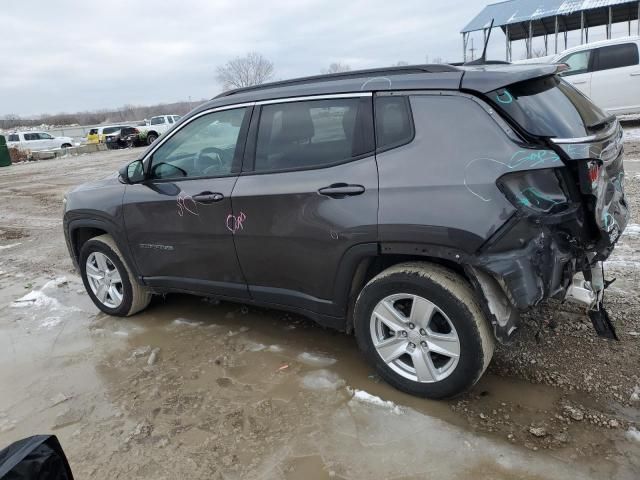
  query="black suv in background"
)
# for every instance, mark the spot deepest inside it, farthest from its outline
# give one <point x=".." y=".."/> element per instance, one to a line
<point x="421" y="208"/>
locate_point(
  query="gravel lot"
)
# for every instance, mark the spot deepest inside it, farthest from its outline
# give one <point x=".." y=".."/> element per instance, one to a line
<point x="195" y="389"/>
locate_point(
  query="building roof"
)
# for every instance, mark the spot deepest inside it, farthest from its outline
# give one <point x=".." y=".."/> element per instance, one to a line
<point x="542" y="13"/>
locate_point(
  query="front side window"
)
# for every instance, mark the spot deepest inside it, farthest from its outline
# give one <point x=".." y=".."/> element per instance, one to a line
<point x="578" y="63"/>
<point x="311" y="134"/>
<point x="157" y="120"/>
<point x="206" y="147"/>
<point x="616" y="56"/>
<point x="31" y="136"/>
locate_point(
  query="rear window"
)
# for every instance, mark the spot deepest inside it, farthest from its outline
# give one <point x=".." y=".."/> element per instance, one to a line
<point x="548" y="107"/>
<point x="616" y="56"/>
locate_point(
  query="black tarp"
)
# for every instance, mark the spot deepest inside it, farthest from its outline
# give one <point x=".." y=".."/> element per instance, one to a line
<point x="35" y="458"/>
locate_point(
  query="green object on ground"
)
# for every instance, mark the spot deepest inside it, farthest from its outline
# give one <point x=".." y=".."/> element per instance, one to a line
<point x="5" y="159"/>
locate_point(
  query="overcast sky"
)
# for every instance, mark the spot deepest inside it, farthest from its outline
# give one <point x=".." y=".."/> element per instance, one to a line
<point x="67" y="56"/>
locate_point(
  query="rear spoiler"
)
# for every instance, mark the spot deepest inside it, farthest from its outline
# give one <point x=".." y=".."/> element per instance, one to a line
<point x="486" y="78"/>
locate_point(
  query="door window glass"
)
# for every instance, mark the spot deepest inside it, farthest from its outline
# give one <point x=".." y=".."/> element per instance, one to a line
<point x="313" y="134"/>
<point x="578" y="62"/>
<point x="616" y="56"/>
<point x="157" y="120"/>
<point x="394" y="126"/>
<point x="206" y="147"/>
<point x="31" y="136"/>
<point x="45" y="136"/>
<point x="13" y="138"/>
<point x="170" y="119"/>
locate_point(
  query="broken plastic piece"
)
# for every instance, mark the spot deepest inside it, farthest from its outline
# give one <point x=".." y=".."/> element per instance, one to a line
<point x="602" y="324"/>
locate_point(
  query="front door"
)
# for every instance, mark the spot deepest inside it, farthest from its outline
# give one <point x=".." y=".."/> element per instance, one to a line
<point x="307" y="197"/>
<point x="177" y="220"/>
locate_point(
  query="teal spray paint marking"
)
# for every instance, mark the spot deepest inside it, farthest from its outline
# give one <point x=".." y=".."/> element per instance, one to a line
<point x="506" y="100"/>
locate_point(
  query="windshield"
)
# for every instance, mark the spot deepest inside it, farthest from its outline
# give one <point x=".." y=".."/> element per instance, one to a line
<point x="549" y="107"/>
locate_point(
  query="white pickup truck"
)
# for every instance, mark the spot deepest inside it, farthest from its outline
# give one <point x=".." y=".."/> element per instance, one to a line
<point x="156" y="126"/>
<point x="34" y="140"/>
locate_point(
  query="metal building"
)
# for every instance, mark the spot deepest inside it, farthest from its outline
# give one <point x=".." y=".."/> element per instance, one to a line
<point x="526" y="19"/>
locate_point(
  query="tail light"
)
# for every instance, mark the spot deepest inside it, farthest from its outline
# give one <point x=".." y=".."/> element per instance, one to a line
<point x="594" y="173"/>
<point x="535" y="191"/>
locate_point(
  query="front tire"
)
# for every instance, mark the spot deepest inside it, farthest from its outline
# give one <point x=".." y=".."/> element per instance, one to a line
<point x="420" y="326"/>
<point x="108" y="280"/>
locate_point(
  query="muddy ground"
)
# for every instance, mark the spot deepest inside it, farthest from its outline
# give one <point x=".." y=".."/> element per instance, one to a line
<point x="195" y="389"/>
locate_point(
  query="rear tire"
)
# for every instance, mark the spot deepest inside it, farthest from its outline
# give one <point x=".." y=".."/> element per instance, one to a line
<point x="65" y="146"/>
<point x="121" y="295"/>
<point x="426" y="322"/>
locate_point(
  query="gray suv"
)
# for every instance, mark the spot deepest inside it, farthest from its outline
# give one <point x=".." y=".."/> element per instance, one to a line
<point x="421" y="208"/>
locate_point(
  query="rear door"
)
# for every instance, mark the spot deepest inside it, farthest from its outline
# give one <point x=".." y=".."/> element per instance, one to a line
<point x="579" y="74"/>
<point x="307" y="198"/>
<point x="615" y="81"/>
<point x="177" y="220"/>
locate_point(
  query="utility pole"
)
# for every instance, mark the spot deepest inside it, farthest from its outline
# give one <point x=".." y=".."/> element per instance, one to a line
<point x="472" y="50"/>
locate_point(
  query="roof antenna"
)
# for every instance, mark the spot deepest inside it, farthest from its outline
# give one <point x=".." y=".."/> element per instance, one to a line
<point x="483" y="59"/>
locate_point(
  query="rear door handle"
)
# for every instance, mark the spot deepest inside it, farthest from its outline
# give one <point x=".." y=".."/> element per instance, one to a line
<point x="341" y="190"/>
<point x="581" y="82"/>
<point x="208" y="197"/>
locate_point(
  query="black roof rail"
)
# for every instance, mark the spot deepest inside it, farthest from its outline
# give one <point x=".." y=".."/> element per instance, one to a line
<point x="434" y="68"/>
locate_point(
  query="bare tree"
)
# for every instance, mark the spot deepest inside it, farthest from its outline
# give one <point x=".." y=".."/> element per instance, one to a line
<point x="538" y="52"/>
<point x="402" y="63"/>
<point x="337" y="67"/>
<point x="252" y="69"/>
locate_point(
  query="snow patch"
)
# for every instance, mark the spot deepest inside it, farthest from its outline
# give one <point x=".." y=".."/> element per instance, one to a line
<point x="632" y="230"/>
<point x="315" y="360"/>
<point x="633" y="434"/>
<point x="4" y="247"/>
<point x="322" y="380"/>
<point x="275" y="348"/>
<point x="51" y="322"/>
<point x="364" y="397"/>
<point x="256" y="347"/>
<point x="186" y="321"/>
<point x="36" y="298"/>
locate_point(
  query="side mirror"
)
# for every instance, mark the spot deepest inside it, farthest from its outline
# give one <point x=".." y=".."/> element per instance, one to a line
<point x="132" y="172"/>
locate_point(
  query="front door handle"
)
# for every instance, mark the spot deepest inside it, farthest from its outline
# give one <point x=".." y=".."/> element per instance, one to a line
<point x="208" y="197"/>
<point x="581" y="82"/>
<point x="341" y="190"/>
<point x="634" y="74"/>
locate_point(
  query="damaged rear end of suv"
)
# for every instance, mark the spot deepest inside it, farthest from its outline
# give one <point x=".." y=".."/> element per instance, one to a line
<point x="569" y="200"/>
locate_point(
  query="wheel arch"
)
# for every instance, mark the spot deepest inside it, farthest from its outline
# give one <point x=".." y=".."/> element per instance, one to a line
<point x="82" y="230"/>
<point x="363" y="262"/>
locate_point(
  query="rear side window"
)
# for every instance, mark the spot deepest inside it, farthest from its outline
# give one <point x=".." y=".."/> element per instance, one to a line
<point x="394" y="125"/>
<point x="616" y="56"/>
<point x="31" y="136"/>
<point x="313" y="134"/>
<point x="13" y="138"/>
<point x="93" y="131"/>
<point x="548" y="107"/>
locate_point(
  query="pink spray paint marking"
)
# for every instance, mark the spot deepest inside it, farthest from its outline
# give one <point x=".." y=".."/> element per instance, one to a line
<point x="235" y="223"/>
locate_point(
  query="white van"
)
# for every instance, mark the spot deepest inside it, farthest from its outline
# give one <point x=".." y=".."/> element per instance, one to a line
<point x="608" y="72"/>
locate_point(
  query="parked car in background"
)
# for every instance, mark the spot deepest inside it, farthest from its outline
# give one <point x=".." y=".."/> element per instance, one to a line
<point x="97" y="134"/>
<point x="156" y="126"/>
<point x="126" y="137"/>
<point x="37" y="141"/>
<point x="608" y="72"/>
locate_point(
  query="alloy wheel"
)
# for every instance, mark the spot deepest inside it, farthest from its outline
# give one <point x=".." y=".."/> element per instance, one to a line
<point x="415" y="338"/>
<point x="104" y="280"/>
